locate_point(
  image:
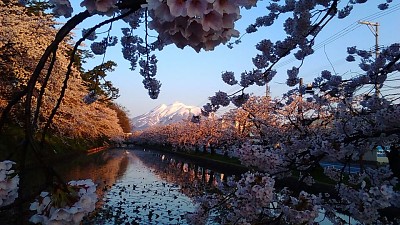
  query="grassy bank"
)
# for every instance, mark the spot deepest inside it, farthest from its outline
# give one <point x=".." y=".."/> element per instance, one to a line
<point x="55" y="148"/>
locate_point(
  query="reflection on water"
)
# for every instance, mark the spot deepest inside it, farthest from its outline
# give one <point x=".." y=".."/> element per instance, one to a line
<point x="154" y="189"/>
<point x="104" y="168"/>
<point x="141" y="196"/>
<point x="192" y="178"/>
<point x="157" y="188"/>
<point x="143" y="187"/>
<point x="134" y="187"/>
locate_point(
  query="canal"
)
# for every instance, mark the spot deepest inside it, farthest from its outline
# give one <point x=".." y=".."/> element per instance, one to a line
<point x="153" y="187"/>
<point x="138" y="186"/>
<point x="142" y="186"/>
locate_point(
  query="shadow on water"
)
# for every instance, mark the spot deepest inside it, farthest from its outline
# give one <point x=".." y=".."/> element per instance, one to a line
<point x="104" y="168"/>
<point x="134" y="186"/>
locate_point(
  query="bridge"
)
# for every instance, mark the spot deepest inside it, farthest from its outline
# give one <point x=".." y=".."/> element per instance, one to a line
<point x="128" y="143"/>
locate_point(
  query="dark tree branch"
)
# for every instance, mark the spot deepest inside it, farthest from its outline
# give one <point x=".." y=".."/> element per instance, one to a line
<point x="61" y="34"/>
<point x="43" y="88"/>
<point x="71" y="62"/>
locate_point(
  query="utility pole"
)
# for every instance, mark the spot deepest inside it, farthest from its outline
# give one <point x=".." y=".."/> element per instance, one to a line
<point x="374" y="28"/>
<point x="267" y="90"/>
<point x="300" y="86"/>
<point x="300" y="107"/>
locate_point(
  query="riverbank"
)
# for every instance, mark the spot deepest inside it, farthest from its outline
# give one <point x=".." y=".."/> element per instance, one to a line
<point x="56" y="148"/>
<point x="209" y="160"/>
<point x="322" y="184"/>
<point x="215" y="161"/>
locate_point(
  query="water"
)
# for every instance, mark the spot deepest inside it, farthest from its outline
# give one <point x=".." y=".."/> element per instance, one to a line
<point x="151" y="188"/>
<point x="144" y="187"/>
<point x="141" y="196"/>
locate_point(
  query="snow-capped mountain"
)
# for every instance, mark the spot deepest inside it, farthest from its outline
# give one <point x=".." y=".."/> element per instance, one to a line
<point x="165" y="114"/>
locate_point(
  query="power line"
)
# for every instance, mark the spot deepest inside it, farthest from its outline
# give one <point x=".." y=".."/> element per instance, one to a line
<point x="350" y="28"/>
<point x="345" y="31"/>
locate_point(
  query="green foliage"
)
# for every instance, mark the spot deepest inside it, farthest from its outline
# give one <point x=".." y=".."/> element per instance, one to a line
<point x="95" y="80"/>
<point x="80" y="58"/>
<point x="37" y="7"/>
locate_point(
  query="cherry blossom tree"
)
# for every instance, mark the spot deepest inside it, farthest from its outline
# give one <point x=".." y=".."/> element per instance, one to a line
<point x="337" y="123"/>
<point x="21" y="49"/>
<point x="24" y="37"/>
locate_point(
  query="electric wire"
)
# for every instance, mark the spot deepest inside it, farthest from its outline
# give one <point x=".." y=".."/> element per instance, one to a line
<point x="348" y="29"/>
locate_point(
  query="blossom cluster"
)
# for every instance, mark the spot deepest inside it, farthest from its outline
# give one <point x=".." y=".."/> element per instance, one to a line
<point x="300" y="209"/>
<point x="239" y="100"/>
<point x="200" y="24"/>
<point x="253" y="197"/>
<point x="245" y="200"/>
<point x="364" y="204"/>
<point x="99" y="48"/>
<point x="65" y="205"/>
<point x="131" y="45"/>
<point x="8" y="183"/>
<point x="229" y="78"/>
<point x="61" y="8"/>
<point x="220" y="98"/>
<point x="107" y="7"/>
<point x="293" y="77"/>
<point x="267" y="160"/>
<point x="149" y="71"/>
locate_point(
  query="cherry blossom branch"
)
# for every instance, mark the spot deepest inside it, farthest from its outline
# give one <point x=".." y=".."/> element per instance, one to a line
<point x="329" y="14"/>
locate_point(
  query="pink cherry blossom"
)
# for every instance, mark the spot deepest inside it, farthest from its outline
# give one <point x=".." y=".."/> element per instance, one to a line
<point x="228" y="20"/>
<point x="194" y="32"/>
<point x="177" y="7"/>
<point x="162" y="12"/>
<point x="225" y="6"/>
<point x="101" y="6"/>
<point x="90" y="5"/>
<point x="196" y="8"/>
<point x="212" y="20"/>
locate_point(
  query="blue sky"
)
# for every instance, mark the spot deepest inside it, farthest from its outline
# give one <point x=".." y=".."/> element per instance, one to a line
<point x="191" y="77"/>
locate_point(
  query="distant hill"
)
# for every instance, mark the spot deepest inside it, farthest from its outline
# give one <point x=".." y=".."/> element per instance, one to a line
<point x="165" y="114"/>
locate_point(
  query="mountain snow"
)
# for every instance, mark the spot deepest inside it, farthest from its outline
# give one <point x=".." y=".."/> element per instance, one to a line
<point x="165" y="114"/>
